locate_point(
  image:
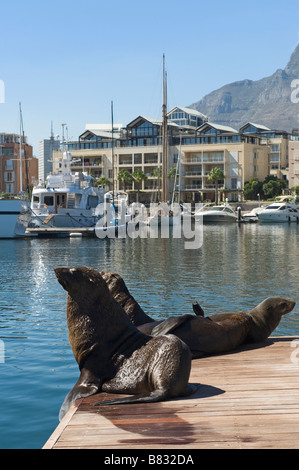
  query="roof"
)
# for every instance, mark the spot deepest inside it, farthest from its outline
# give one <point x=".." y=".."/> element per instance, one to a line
<point x="218" y="127"/>
<point x="156" y="122"/>
<point x="189" y="111"/>
<point x="98" y="133"/>
<point x="258" y="126"/>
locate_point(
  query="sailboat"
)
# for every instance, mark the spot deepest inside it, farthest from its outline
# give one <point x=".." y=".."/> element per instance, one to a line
<point x="15" y="211"/>
<point x="165" y="214"/>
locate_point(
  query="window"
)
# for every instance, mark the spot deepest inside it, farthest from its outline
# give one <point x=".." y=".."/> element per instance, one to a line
<point x="9" y="188"/>
<point x="234" y="183"/>
<point x="9" y="165"/>
<point x="9" y="176"/>
<point x="49" y="200"/>
<point x="92" y="201"/>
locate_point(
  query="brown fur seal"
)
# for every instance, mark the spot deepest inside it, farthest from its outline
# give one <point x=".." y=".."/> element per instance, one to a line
<point x="200" y="334"/>
<point x="265" y="317"/>
<point x="113" y="356"/>
<point x="120" y="292"/>
<point x="237" y="327"/>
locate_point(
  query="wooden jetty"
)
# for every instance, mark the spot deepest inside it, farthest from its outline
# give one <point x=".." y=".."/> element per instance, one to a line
<point x="247" y="399"/>
<point x="61" y="231"/>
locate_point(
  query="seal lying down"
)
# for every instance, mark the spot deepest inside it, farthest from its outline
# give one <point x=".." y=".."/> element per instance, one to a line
<point x="216" y="334"/>
<point x="112" y="354"/>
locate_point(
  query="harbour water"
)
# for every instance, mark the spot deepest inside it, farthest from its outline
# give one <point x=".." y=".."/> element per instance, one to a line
<point x="235" y="268"/>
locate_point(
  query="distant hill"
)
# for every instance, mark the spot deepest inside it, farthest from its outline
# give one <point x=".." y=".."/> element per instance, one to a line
<point x="266" y="101"/>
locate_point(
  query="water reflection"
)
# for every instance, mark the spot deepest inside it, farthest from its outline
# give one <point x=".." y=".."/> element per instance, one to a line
<point x="235" y="268"/>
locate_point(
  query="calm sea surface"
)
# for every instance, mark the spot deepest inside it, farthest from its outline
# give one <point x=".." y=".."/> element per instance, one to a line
<point x="236" y="268"/>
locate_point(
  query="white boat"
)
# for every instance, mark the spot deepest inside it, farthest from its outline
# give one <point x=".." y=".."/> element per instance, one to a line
<point x="280" y="212"/>
<point x="216" y="214"/>
<point x="14" y="218"/>
<point x="252" y="216"/>
<point x="67" y="200"/>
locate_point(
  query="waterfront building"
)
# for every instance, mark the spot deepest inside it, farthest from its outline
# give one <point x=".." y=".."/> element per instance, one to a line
<point x="278" y="142"/>
<point x="238" y="155"/>
<point x="193" y="150"/>
<point x="17" y="173"/>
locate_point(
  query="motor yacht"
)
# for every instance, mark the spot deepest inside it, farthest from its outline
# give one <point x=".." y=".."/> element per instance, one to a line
<point x="216" y="214"/>
<point x="280" y="212"/>
<point x="66" y="200"/>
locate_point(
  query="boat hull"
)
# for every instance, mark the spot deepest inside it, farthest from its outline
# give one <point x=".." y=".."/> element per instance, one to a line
<point x="14" y="218"/>
<point x="215" y="219"/>
<point x="63" y="220"/>
<point x="277" y="218"/>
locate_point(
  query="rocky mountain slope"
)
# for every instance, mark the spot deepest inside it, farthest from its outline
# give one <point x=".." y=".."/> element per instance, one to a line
<point x="266" y="101"/>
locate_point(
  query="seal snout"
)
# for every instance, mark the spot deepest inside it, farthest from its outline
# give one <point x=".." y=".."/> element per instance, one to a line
<point x="64" y="276"/>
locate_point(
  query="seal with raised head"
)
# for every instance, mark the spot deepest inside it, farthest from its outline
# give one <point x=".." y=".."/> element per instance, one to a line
<point x="228" y="331"/>
<point x="203" y="336"/>
<point x="112" y="354"/>
<point x="265" y="317"/>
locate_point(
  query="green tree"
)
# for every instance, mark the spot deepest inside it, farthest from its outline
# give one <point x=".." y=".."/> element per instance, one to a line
<point x="273" y="186"/>
<point x="252" y="188"/>
<point x="125" y="177"/>
<point x="138" y="177"/>
<point x="103" y="181"/>
<point x="215" y="175"/>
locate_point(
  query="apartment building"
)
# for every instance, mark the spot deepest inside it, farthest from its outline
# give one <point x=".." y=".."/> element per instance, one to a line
<point x="195" y="147"/>
<point x="17" y="173"/>
<point x="239" y="156"/>
<point x="278" y="143"/>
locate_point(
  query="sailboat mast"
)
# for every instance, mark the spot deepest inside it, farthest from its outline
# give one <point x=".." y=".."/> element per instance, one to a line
<point x="20" y="150"/>
<point x="112" y="150"/>
<point x="164" y="135"/>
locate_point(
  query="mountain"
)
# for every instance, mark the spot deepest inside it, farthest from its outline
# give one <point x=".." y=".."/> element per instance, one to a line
<point x="266" y="101"/>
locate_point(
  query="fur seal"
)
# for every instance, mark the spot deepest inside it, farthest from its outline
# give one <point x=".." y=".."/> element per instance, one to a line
<point x="265" y="317"/>
<point x="201" y="334"/>
<point x="233" y="329"/>
<point x="112" y="354"/>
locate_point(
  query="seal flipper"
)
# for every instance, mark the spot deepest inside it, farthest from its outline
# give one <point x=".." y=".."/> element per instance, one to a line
<point x="156" y="395"/>
<point x="83" y="388"/>
<point x="170" y="324"/>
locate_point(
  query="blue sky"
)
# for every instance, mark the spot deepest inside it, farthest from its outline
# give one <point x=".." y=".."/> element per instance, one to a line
<point x="65" y="61"/>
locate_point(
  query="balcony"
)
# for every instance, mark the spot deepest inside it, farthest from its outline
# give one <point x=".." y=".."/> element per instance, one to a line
<point x="198" y="187"/>
<point x="192" y="173"/>
<point x="127" y="162"/>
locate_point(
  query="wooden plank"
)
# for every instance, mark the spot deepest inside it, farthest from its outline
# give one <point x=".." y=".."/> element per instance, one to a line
<point x="248" y="399"/>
